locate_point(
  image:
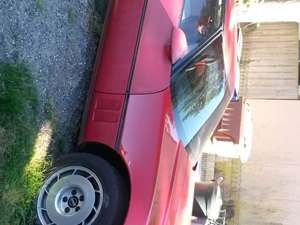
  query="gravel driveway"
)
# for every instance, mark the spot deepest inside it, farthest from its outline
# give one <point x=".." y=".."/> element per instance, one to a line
<point x="57" y="39"/>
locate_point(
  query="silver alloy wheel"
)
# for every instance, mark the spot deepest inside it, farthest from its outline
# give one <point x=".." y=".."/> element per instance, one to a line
<point x="71" y="195"/>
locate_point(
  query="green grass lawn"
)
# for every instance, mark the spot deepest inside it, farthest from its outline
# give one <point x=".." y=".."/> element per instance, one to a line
<point x="22" y="140"/>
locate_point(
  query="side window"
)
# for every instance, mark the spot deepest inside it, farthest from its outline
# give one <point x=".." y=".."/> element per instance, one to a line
<point x="200" y="19"/>
<point x="197" y="91"/>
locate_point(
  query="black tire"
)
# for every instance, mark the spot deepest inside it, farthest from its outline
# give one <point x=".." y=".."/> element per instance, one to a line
<point x="115" y="191"/>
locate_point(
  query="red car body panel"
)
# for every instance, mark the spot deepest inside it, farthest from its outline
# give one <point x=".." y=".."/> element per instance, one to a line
<point x="103" y="119"/>
<point x="130" y="107"/>
<point x="157" y="162"/>
<point x="116" y="60"/>
<point x="112" y="72"/>
<point x="230" y="49"/>
<point x="153" y="67"/>
<point x="115" y="64"/>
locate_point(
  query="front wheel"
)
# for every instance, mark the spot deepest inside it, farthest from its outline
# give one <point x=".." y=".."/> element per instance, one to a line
<point x="82" y="189"/>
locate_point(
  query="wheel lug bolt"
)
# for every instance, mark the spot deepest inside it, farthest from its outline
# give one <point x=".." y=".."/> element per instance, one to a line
<point x="67" y="210"/>
<point x="81" y="198"/>
<point x="77" y="208"/>
<point x="74" y="192"/>
<point x="65" y="199"/>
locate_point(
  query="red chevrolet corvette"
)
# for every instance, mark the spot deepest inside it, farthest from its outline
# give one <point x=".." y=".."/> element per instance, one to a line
<point x="164" y="75"/>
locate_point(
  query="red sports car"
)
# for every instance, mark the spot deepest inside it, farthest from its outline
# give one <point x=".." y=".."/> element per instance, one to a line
<point x="164" y="75"/>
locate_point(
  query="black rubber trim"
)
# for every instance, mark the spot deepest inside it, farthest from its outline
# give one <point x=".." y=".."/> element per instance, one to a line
<point x="177" y="67"/>
<point x="132" y="68"/>
<point x="190" y="57"/>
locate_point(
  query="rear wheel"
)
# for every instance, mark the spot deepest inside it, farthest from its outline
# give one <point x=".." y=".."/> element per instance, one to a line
<point x="82" y="189"/>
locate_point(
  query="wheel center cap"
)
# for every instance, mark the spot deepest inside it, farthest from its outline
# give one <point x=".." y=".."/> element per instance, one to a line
<point x="73" y="201"/>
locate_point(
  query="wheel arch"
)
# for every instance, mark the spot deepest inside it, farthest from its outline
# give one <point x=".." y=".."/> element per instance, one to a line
<point x="111" y="156"/>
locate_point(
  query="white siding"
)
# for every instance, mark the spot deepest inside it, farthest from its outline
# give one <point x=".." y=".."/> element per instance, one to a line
<point x="269" y="64"/>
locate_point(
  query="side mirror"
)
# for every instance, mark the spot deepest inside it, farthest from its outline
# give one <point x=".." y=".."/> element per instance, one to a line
<point x="179" y="46"/>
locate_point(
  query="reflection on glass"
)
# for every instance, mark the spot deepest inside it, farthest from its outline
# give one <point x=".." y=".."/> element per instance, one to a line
<point x="197" y="91"/>
<point x="200" y="19"/>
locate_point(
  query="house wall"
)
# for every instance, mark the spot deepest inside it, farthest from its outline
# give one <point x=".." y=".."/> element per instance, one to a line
<point x="277" y="10"/>
<point x="270" y="180"/>
<point x="269" y="63"/>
